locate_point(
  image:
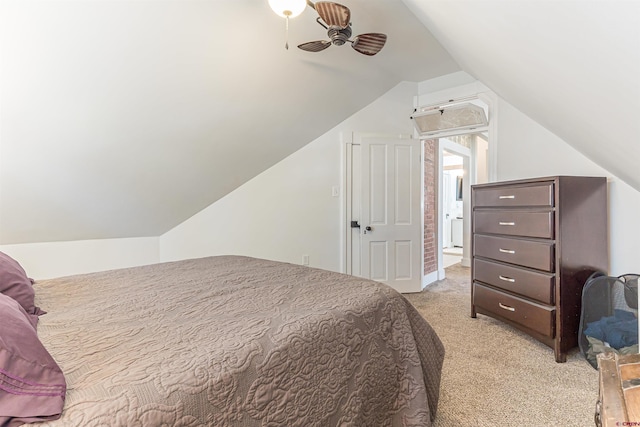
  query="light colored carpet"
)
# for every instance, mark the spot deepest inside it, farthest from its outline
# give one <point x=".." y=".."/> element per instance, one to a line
<point x="495" y="375"/>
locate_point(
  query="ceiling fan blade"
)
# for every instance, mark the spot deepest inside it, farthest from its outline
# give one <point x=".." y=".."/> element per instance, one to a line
<point x="369" y="43"/>
<point x="315" y="46"/>
<point x="334" y="14"/>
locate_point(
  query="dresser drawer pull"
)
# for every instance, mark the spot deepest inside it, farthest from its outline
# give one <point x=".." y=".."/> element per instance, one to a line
<point x="506" y="223"/>
<point x="506" y="307"/>
<point x="506" y="197"/>
<point x="507" y="251"/>
<point x="506" y="279"/>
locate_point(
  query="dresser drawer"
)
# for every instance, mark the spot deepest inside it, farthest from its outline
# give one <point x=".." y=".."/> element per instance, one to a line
<point x="537" y="317"/>
<point x="539" y="194"/>
<point x="527" y="253"/>
<point x="528" y="283"/>
<point x="514" y="223"/>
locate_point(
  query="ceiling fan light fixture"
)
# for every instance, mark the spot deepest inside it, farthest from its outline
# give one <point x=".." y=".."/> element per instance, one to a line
<point x="336" y="19"/>
<point x="288" y="8"/>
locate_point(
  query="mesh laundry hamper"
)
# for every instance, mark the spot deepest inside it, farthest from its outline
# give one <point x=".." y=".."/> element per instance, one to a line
<point x="609" y="316"/>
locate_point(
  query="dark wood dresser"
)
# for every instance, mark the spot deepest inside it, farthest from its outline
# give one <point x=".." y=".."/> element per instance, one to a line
<point x="534" y="244"/>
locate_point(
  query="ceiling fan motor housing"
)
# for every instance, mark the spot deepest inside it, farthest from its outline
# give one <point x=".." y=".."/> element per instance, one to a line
<point x="339" y="36"/>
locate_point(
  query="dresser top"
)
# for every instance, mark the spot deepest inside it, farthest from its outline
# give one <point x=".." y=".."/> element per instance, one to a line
<point x="556" y="178"/>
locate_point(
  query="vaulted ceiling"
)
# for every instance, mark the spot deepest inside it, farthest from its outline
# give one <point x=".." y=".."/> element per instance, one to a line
<point x="124" y="118"/>
<point x="573" y="66"/>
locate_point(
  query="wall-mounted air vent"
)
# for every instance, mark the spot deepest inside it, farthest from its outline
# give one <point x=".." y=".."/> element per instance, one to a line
<point x="433" y="120"/>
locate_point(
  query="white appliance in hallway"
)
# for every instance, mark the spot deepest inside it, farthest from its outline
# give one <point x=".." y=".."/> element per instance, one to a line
<point x="452" y="204"/>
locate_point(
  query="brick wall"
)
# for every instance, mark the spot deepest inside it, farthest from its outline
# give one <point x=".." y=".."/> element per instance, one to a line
<point x="430" y="223"/>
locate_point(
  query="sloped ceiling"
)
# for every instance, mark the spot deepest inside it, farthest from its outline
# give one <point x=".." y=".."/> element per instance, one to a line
<point x="123" y="118"/>
<point x="572" y="66"/>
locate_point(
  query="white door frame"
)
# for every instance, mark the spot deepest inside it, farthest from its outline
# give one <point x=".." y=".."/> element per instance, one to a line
<point x="349" y="211"/>
<point x="491" y="100"/>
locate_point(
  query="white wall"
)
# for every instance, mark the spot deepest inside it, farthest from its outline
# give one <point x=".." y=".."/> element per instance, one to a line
<point x="527" y="150"/>
<point x="56" y="259"/>
<point x="289" y="211"/>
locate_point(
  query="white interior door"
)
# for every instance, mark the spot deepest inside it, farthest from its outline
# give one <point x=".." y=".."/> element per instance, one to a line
<point x="390" y="220"/>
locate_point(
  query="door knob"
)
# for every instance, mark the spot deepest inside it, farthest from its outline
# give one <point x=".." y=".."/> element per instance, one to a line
<point x="367" y="228"/>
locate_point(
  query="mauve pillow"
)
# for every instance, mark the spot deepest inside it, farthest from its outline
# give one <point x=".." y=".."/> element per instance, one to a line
<point x="32" y="386"/>
<point x="15" y="283"/>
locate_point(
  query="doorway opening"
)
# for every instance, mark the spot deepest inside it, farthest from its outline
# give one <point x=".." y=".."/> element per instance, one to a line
<point x="451" y="209"/>
<point x="452" y="164"/>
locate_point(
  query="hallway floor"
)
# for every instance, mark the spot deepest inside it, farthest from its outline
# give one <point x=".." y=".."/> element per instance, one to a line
<point x="451" y="256"/>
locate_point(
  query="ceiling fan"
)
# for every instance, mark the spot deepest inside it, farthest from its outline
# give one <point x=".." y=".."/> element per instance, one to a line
<point x="335" y="18"/>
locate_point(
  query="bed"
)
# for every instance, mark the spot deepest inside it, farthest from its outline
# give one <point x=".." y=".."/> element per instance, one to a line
<point x="237" y="341"/>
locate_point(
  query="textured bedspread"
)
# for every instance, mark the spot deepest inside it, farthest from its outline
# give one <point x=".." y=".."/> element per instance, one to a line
<point x="236" y="341"/>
